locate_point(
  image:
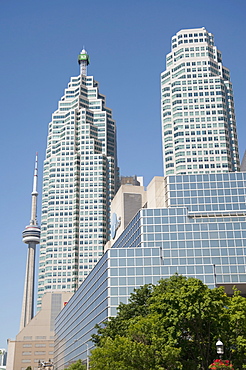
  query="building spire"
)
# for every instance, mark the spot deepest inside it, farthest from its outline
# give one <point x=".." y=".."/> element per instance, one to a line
<point x="33" y="220"/>
<point x="31" y="236"/>
<point x="83" y="60"/>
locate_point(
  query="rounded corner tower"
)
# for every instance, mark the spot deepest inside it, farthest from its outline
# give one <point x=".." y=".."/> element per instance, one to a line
<point x="197" y="108"/>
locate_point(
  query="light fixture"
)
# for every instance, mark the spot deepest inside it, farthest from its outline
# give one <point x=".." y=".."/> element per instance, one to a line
<point x="220" y="348"/>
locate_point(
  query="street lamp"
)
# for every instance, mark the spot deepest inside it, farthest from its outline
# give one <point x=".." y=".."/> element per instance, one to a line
<point x="220" y="348"/>
<point x="87" y="357"/>
<point x="87" y="352"/>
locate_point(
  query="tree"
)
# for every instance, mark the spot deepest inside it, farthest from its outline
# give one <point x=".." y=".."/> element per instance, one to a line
<point x="235" y="337"/>
<point x="138" y="306"/>
<point x="173" y="325"/>
<point x="123" y="353"/>
<point x="76" y="366"/>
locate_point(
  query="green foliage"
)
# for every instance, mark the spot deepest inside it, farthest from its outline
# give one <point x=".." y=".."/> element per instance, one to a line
<point x="235" y="337"/>
<point x="173" y="325"/>
<point x="76" y="366"/>
<point x="29" y="368"/>
<point x="123" y="353"/>
<point x="138" y="306"/>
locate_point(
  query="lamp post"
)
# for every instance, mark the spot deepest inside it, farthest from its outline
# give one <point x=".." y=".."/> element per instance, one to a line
<point x="87" y="352"/>
<point x="87" y="357"/>
<point x="220" y="348"/>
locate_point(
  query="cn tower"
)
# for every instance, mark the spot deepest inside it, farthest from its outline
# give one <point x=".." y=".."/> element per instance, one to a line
<point x="31" y="236"/>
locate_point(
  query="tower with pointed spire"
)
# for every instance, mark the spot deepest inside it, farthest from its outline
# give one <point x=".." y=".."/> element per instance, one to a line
<point x="31" y="236"/>
<point x="80" y="180"/>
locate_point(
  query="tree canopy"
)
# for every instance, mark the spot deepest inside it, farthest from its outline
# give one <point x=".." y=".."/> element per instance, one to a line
<point x="172" y="325"/>
<point x="76" y="366"/>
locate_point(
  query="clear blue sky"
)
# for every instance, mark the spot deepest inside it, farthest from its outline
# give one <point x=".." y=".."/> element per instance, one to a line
<point x="127" y="42"/>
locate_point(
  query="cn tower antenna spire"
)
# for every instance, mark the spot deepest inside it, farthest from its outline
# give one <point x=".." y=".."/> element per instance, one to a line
<point x="83" y="60"/>
<point x="33" y="220"/>
<point x="31" y="236"/>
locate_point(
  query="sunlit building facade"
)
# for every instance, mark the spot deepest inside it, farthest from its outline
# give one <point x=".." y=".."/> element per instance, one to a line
<point x="79" y="180"/>
<point x="197" y="108"/>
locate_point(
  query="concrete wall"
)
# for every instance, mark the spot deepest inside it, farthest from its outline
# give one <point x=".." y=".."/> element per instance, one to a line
<point x="35" y="342"/>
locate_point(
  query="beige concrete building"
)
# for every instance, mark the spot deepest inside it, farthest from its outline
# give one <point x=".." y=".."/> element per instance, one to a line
<point x="130" y="199"/>
<point x="156" y="192"/>
<point x="126" y="203"/>
<point x="35" y="342"/>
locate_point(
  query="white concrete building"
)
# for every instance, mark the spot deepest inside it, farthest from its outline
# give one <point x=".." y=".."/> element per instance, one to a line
<point x="197" y="108"/>
<point x="80" y="179"/>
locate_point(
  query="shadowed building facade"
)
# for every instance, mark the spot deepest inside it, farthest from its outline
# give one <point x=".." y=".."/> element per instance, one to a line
<point x="243" y="164"/>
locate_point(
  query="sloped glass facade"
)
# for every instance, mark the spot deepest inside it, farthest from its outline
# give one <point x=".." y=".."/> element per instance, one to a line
<point x="201" y="234"/>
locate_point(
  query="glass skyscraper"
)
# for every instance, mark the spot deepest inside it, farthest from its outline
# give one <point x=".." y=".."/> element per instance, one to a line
<point x="197" y="108"/>
<point x="79" y="181"/>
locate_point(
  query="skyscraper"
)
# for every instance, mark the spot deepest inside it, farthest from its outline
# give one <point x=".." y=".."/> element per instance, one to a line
<point x="197" y="108"/>
<point x="31" y="236"/>
<point x="80" y="179"/>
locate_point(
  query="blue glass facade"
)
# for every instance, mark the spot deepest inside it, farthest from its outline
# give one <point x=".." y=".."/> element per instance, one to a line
<point x="87" y="307"/>
<point x="201" y="233"/>
<point x="111" y="281"/>
<point x="207" y="193"/>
